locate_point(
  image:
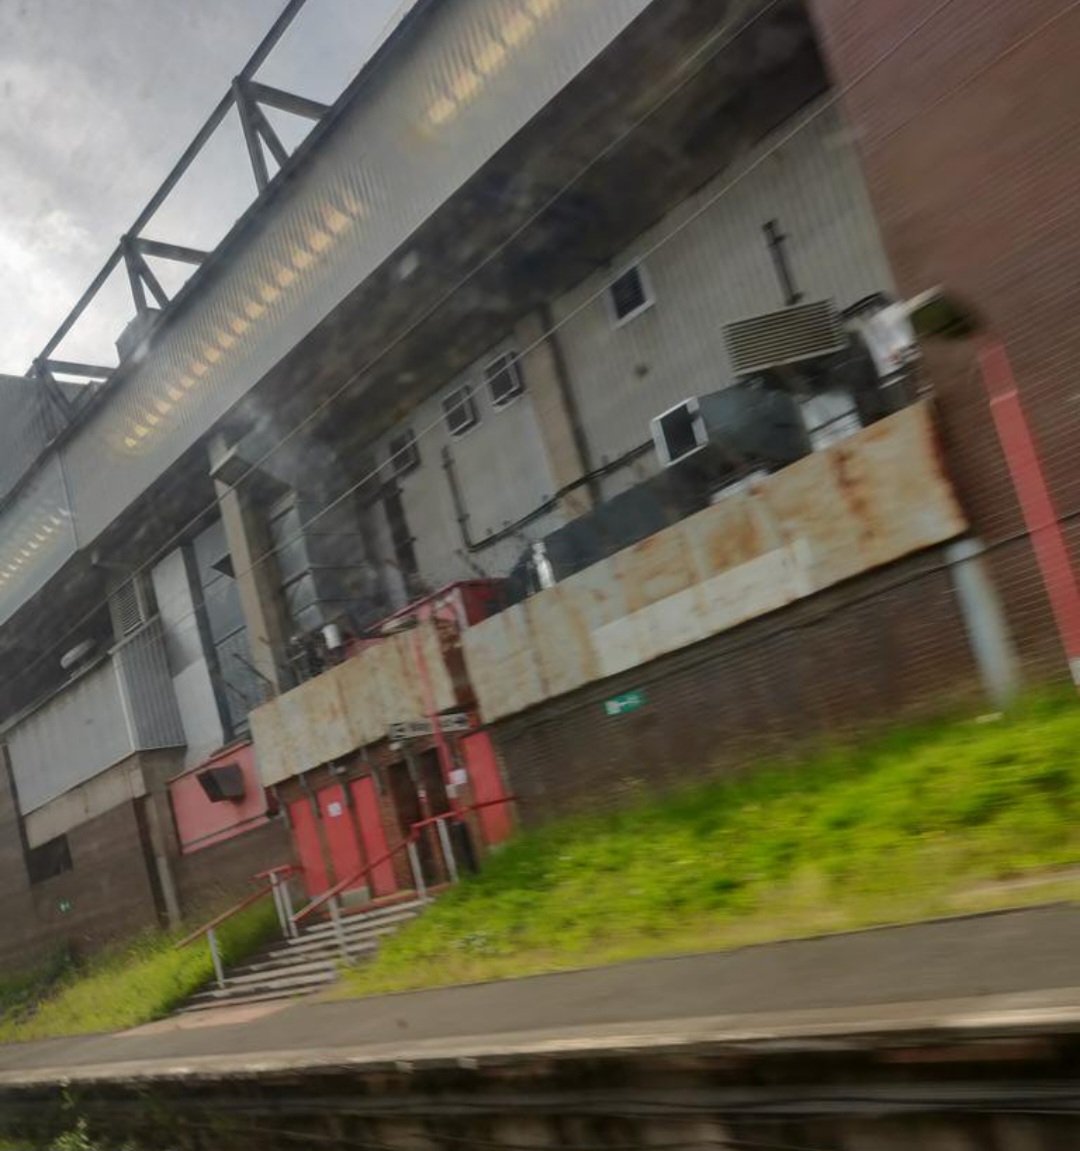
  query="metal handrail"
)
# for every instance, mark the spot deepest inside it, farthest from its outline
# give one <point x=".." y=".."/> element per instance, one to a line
<point x="282" y="905"/>
<point x="411" y="838"/>
<point x="350" y="880"/>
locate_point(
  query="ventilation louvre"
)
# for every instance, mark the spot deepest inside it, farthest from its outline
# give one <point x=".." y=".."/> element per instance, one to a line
<point x="802" y="332"/>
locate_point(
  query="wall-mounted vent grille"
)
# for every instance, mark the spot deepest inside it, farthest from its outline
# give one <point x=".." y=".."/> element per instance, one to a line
<point x="803" y="332"/>
<point x="460" y="411"/>
<point x="404" y="453"/>
<point x="504" y="379"/>
<point x="128" y="607"/>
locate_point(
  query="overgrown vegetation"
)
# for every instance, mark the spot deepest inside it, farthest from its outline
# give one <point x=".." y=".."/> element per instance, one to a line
<point x="918" y="823"/>
<point x="143" y="980"/>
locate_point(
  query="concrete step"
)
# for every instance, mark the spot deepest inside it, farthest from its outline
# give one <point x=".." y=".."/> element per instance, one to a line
<point x="393" y="913"/>
<point x="269" y="986"/>
<point x="283" y="949"/>
<point x="260" y="972"/>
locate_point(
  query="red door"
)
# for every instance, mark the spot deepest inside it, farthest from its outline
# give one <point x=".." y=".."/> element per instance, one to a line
<point x="487" y="786"/>
<point x="373" y="836"/>
<point x="305" y="833"/>
<point x="340" y="833"/>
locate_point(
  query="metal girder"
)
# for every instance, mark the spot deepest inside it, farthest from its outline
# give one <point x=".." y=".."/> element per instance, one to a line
<point x="259" y="134"/>
<point x="287" y="101"/>
<point x="165" y="251"/>
<point x="220" y="111"/>
<point x="74" y="368"/>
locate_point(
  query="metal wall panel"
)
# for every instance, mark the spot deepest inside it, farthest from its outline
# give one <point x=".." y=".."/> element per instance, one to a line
<point x="867" y="501"/>
<point x="125" y="704"/>
<point x="421" y="129"/>
<point x="37" y="536"/>
<point x="352" y="705"/>
<point x="148" y="688"/>
<point x="71" y="738"/>
<point x="502" y="469"/>
<point x="715" y="267"/>
<point x="30" y="420"/>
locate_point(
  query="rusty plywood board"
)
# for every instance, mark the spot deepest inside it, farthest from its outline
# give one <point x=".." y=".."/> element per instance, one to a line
<point x="866" y="501"/>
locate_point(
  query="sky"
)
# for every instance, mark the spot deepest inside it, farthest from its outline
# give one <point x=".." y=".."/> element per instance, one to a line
<point x="98" y="98"/>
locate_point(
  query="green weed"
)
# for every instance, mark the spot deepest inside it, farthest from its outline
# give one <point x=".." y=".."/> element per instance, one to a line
<point x="918" y="822"/>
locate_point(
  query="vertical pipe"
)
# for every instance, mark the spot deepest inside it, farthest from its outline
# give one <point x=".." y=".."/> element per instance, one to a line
<point x="418" y="875"/>
<point x="1030" y="485"/>
<point x="339" y="928"/>
<point x="447" y="850"/>
<point x="215" y="957"/>
<point x="275" y="892"/>
<point x="984" y="621"/>
<point x="287" y="907"/>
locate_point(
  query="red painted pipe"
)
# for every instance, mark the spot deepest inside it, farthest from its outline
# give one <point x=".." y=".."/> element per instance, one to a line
<point x="1029" y="482"/>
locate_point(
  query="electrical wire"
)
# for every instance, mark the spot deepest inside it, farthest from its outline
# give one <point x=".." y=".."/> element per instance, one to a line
<point x="720" y="40"/>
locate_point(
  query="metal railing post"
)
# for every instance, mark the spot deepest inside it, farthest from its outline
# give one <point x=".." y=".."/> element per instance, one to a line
<point x="418" y="875"/>
<point x="448" y="850"/>
<point x="275" y="892"/>
<point x="215" y="956"/>
<point x="287" y="907"/>
<point x="339" y="927"/>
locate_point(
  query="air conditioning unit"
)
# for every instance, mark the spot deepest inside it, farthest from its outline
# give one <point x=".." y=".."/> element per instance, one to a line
<point x="747" y="427"/>
<point x="845" y="370"/>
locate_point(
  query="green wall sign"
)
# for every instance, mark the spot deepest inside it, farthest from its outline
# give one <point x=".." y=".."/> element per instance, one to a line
<point x="628" y="701"/>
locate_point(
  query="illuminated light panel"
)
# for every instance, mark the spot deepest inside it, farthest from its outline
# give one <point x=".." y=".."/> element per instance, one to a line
<point x="490" y="56"/>
<point x="152" y="420"/>
<point x="302" y="258"/>
<point x="354" y="206"/>
<point x="466" y="85"/>
<point x="284" y="277"/>
<point x="253" y="309"/>
<point x="441" y="110"/>
<point x="542" y="8"/>
<point x="187" y="383"/>
<point x="211" y="353"/>
<point x="163" y="407"/>
<point x="140" y="431"/>
<point x="319" y="240"/>
<point x="335" y="220"/>
<point x="130" y="442"/>
<point x="198" y="368"/>
<point x="174" y="394"/>
<point x="516" y="29"/>
<point x="239" y="325"/>
<point x="33" y="545"/>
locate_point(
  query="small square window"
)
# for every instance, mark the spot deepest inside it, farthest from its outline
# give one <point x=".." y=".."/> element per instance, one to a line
<point x="629" y="294"/>
<point x="49" y="860"/>
<point x="504" y="379"/>
<point x="404" y="453"/>
<point x="459" y="407"/>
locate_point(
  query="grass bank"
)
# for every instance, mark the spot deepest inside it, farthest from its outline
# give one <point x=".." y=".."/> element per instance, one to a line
<point x="143" y="980"/>
<point x="936" y="820"/>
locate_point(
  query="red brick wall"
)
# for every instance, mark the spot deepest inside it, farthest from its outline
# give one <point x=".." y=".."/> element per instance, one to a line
<point x="876" y="649"/>
<point x="967" y="131"/>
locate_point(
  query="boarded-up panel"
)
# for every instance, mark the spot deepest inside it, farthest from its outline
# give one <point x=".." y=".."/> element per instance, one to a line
<point x="865" y="502"/>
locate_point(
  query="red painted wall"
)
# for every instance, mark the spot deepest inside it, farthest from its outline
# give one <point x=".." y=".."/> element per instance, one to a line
<point x="200" y="823"/>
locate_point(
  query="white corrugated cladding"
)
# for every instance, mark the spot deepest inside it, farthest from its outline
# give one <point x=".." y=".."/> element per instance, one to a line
<point x="502" y="470"/>
<point x="717" y="269"/>
<point x="451" y="99"/>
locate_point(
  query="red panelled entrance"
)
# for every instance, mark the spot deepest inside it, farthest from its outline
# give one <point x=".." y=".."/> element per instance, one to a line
<point x="305" y="831"/>
<point x="340" y="832"/>
<point x="487" y="786"/>
<point x="373" y="835"/>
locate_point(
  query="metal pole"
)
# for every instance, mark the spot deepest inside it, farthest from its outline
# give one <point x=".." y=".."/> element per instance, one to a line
<point x="448" y="850"/>
<point x="215" y="955"/>
<point x="339" y="927"/>
<point x="287" y="907"/>
<point x="275" y="892"/>
<point x="418" y="875"/>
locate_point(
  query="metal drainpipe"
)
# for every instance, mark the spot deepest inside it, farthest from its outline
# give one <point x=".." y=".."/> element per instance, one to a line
<point x="569" y="399"/>
<point x="442" y="747"/>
